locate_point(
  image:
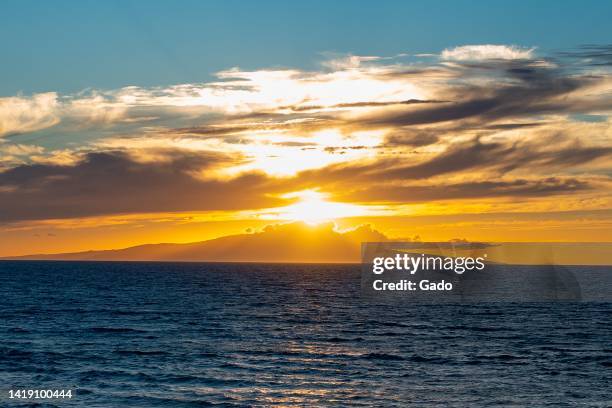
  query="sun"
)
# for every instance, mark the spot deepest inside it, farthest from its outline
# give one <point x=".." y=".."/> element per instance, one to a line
<point x="313" y="208"/>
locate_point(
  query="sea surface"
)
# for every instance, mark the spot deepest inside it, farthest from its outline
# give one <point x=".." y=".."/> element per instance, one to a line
<point x="194" y="334"/>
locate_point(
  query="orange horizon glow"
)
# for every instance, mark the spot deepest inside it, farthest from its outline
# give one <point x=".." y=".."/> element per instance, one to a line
<point x="408" y="146"/>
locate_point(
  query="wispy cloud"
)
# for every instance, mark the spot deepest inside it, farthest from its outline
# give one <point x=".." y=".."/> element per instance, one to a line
<point x="477" y="121"/>
<point x="20" y="114"/>
<point x="487" y="52"/>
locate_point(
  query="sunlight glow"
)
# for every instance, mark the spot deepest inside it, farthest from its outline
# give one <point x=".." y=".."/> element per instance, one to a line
<point x="312" y="208"/>
<point x="285" y="154"/>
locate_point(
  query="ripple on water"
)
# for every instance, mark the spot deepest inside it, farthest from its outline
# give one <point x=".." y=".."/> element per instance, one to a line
<point x="172" y="335"/>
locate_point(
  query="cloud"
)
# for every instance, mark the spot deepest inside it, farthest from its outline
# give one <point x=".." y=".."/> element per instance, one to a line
<point x="518" y="188"/>
<point x="501" y="157"/>
<point x="492" y="82"/>
<point x="590" y="55"/>
<point x="412" y="137"/>
<point x="486" y="52"/>
<point x="348" y="61"/>
<point x="158" y="179"/>
<point x="528" y="92"/>
<point x="27" y="114"/>
<point x="466" y="158"/>
<point x="481" y="121"/>
<point x="95" y="109"/>
<point x="13" y="154"/>
<point x="114" y="182"/>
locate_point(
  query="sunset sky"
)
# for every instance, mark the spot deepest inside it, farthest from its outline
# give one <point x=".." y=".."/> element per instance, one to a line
<point x="123" y="123"/>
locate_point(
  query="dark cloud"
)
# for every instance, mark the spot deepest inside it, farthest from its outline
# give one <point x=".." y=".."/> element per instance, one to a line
<point x="512" y="126"/>
<point x="502" y="157"/>
<point x="508" y="102"/>
<point x="412" y="138"/>
<point x="520" y="188"/>
<point x="294" y="144"/>
<point x="575" y="155"/>
<point x="344" y="149"/>
<point x="457" y="158"/>
<point x="364" y="104"/>
<point x="491" y="159"/>
<point x="415" y="73"/>
<point x="494" y="90"/>
<point x="590" y="55"/>
<point x="114" y="183"/>
<point x="235" y="126"/>
<point x="212" y="130"/>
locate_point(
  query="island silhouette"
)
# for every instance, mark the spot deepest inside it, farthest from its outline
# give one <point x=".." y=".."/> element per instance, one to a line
<point x="296" y="242"/>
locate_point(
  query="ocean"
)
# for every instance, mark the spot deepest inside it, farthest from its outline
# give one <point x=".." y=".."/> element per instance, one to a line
<point x="121" y="334"/>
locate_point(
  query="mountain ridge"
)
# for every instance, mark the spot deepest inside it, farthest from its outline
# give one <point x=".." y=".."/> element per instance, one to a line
<point x="294" y="242"/>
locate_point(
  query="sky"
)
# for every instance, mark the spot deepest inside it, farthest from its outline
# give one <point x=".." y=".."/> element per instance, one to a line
<point x="133" y="122"/>
<point x="68" y="46"/>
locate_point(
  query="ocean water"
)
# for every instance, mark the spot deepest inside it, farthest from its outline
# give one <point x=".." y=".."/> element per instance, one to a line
<point x="182" y="335"/>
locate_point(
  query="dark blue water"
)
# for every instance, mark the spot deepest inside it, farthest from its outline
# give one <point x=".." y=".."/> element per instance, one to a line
<point x="178" y="335"/>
